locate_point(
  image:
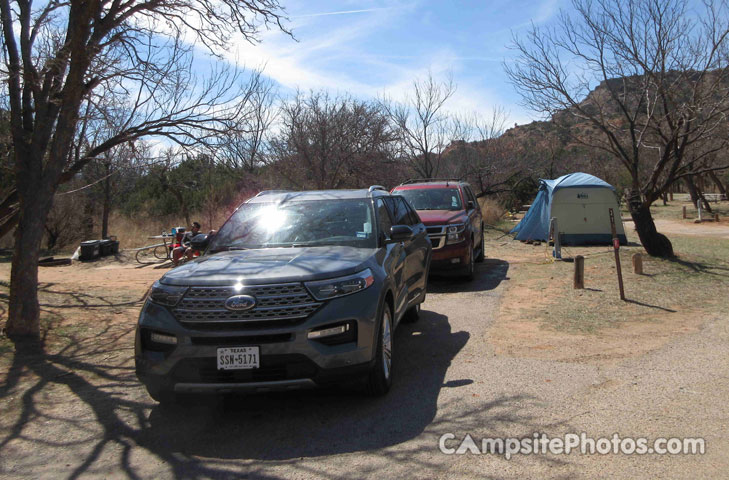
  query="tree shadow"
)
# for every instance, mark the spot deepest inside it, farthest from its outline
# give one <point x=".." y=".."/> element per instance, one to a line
<point x="111" y="416"/>
<point x="325" y="422"/>
<point x="487" y="276"/>
<point x="702" y="267"/>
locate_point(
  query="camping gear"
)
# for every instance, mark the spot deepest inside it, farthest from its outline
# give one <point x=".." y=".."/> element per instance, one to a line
<point x="581" y="204"/>
<point x="105" y="247"/>
<point x="90" y="250"/>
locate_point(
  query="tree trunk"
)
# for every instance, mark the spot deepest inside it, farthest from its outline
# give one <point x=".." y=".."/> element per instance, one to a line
<point x="691" y="187"/>
<point x="23" y="309"/>
<point x="704" y="201"/>
<point x="655" y="244"/>
<point x="718" y="183"/>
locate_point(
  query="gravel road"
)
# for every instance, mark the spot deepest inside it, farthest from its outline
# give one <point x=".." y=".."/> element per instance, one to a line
<point x="448" y="379"/>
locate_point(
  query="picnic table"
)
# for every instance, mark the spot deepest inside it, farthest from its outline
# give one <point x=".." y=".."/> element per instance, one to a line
<point x="159" y="251"/>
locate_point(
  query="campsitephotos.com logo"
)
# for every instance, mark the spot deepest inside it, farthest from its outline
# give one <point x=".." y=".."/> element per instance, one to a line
<point x="541" y="443"/>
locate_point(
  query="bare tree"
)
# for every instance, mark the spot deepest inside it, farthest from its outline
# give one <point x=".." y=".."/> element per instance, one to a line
<point x="422" y="126"/>
<point x="332" y="142"/>
<point x="63" y="55"/>
<point x="663" y="89"/>
<point x="243" y="149"/>
<point x="479" y="154"/>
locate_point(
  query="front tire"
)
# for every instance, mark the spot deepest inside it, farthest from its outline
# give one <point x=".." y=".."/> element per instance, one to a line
<point x="380" y="378"/>
<point x="468" y="272"/>
<point x="482" y="251"/>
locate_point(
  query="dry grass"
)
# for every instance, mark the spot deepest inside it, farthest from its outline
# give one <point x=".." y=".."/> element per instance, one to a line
<point x="133" y="233"/>
<point x="492" y="210"/>
<point x="695" y="280"/>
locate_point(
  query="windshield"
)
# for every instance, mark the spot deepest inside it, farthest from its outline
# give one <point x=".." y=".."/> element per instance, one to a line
<point x="298" y="223"/>
<point x="433" y="198"/>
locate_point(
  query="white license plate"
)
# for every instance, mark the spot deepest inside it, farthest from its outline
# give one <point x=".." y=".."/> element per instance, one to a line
<point x="238" y="358"/>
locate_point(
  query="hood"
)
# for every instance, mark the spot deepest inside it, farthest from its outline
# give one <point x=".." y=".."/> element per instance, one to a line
<point x="442" y="217"/>
<point x="270" y="265"/>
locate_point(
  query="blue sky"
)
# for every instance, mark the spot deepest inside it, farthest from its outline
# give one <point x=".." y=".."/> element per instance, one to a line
<point x="370" y="48"/>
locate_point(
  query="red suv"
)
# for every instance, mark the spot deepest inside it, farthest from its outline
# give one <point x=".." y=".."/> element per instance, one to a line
<point x="453" y="219"/>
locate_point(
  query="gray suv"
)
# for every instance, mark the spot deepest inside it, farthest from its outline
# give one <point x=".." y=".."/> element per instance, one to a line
<point x="297" y="289"/>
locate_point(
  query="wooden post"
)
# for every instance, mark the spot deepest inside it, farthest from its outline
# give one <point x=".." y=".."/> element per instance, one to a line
<point x="637" y="264"/>
<point x="616" y="247"/>
<point x="716" y="217"/>
<point x="579" y="280"/>
<point x="684" y="212"/>
<point x="670" y="195"/>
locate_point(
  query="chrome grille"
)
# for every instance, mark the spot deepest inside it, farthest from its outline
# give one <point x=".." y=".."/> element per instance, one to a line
<point x="437" y="235"/>
<point x="274" y="303"/>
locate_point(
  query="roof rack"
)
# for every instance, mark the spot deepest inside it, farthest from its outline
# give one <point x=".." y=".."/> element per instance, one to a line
<point x="426" y="180"/>
<point x="376" y="187"/>
<point x="270" y="192"/>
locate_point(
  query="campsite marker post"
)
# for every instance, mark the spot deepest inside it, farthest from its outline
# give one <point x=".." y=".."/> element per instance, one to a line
<point x="616" y="247"/>
<point x="554" y="233"/>
<point x="698" y="207"/>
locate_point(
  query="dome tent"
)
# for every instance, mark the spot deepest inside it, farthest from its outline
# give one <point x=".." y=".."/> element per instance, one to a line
<point x="580" y="203"/>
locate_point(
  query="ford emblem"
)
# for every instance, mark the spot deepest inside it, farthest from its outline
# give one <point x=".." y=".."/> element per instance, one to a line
<point x="240" y="302"/>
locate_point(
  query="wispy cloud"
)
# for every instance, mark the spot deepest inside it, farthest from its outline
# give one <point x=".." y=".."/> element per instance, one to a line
<point x="342" y="12"/>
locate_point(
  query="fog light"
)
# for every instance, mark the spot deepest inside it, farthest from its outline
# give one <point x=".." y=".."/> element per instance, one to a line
<point x="328" y="332"/>
<point x="455" y="260"/>
<point x="162" y="338"/>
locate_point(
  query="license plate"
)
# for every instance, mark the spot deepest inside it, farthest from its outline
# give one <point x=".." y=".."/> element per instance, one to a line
<point x="238" y="358"/>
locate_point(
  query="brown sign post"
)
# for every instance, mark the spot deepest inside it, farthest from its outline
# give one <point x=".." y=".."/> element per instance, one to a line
<point x="616" y="247"/>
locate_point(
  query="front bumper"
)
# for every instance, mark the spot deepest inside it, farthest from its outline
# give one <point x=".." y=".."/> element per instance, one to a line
<point x="288" y="359"/>
<point x="451" y="257"/>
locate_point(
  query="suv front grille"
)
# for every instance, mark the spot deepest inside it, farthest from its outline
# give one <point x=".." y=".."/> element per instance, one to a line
<point x="276" y="305"/>
<point x="437" y="235"/>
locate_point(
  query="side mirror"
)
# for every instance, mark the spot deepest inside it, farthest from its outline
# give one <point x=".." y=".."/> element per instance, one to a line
<point x="471" y="205"/>
<point x="400" y="233"/>
<point x="199" y="242"/>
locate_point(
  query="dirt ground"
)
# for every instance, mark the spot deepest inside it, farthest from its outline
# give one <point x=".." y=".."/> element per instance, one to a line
<point x="484" y="359"/>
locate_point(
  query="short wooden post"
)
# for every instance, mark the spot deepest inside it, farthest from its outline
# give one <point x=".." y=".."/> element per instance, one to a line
<point x="684" y="212"/>
<point x="579" y="280"/>
<point x="716" y="217"/>
<point x="637" y="264"/>
<point x="670" y="195"/>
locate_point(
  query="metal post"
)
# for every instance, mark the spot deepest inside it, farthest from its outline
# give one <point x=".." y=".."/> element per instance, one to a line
<point x="616" y="247"/>
<point x="698" y="206"/>
<point x="554" y="231"/>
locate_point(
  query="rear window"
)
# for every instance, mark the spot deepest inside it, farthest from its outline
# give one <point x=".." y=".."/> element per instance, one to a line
<point x="433" y="198"/>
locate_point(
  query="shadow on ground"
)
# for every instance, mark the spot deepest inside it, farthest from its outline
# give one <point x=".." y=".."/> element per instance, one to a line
<point x="132" y="433"/>
<point x="488" y="276"/>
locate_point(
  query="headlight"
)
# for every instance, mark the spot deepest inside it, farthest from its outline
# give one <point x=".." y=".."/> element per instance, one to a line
<point x="456" y="233"/>
<point x="338" y="287"/>
<point x="166" y="295"/>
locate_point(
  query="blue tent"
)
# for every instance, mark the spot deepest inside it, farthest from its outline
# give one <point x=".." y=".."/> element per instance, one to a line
<point x="581" y="204"/>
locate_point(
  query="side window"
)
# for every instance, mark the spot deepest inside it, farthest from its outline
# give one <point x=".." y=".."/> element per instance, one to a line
<point x="470" y="197"/>
<point x="414" y="217"/>
<point x="383" y="217"/>
<point x="401" y="213"/>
